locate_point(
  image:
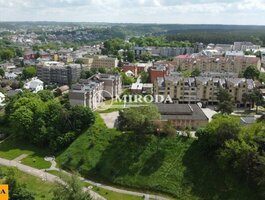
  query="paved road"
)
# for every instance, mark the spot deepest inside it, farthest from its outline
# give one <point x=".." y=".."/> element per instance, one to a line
<point x="41" y="174"/>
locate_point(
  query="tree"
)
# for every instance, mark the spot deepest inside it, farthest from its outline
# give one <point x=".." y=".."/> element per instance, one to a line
<point x="22" y="120"/>
<point x="146" y="56"/>
<point x="7" y="54"/>
<point x="72" y="188"/>
<point x="169" y="129"/>
<point x="262" y="77"/>
<point x="196" y="72"/>
<point x="251" y="72"/>
<point x="81" y="118"/>
<point x="29" y="72"/>
<point x="138" y="119"/>
<point x="130" y="56"/>
<point x="144" y="77"/>
<point x="126" y="80"/>
<point x="2" y="72"/>
<point x="225" y="105"/>
<point x="46" y="95"/>
<point x="217" y="132"/>
<point x="17" y="191"/>
<point x="120" y="64"/>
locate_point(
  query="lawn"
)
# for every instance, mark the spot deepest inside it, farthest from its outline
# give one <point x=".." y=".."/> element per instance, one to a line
<point x="41" y="189"/>
<point x="11" y="148"/>
<point x="36" y="161"/>
<point x="172" y="166"/>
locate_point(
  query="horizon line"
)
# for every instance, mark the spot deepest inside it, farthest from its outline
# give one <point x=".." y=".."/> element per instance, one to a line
<point x="141" y="23"/>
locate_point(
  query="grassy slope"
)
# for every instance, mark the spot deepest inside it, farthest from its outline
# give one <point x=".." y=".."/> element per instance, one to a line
<point x="170" y="165"/>
<point x="12" y="148"/>
<point x="42" y="190"/>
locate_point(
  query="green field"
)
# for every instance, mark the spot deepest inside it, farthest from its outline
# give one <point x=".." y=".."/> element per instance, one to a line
<point x="11" y="148"/>
<point x="42" y="190"/>
<point x="172" y="166"/>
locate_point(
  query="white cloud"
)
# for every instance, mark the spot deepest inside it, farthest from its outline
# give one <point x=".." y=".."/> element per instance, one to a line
<point x="157" y="11"/>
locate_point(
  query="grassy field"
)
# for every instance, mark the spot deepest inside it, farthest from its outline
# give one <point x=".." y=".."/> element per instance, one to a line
<point x="12" y="148"/>
<point x="42" y="190"/>
<point x="170" y="165"/>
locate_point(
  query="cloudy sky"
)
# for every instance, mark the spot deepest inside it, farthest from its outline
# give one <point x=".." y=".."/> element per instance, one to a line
<point x="136" y="11"/>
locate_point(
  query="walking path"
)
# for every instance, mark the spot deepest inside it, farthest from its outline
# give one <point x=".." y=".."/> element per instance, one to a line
<point x="52" y="178"/>
<point x="41" y="174"/>
<point x="21" y="157"/>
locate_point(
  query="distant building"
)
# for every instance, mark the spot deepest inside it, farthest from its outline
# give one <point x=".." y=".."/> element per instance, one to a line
<point x="99" y="61"/>
<point x="243" y="46"/>
<point x="2" y="99"/>
<point x="58" y="73"/>
<point x="10" y="75"/>
<point x="35" y="85"/>
<point x="234" y="64"/>
<point x="159" y="70"/>
<point x="234" y="53"/>
<point x="183" y="115"/>
<point x="142" y="50"/>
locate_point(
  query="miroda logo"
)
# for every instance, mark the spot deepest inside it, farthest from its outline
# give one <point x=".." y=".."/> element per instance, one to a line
<point x="3" y="192"/>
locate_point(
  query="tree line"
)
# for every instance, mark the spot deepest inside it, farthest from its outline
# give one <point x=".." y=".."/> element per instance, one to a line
<point x="44" y="121"/>
<point x="236" y="148"/>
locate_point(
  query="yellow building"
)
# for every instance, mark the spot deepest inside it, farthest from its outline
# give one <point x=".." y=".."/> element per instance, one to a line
<point x="201" y="89"/>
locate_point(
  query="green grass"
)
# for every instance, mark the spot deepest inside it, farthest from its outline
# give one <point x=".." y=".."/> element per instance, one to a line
<point x="36" y="161"/>
<point x="114" y="195"/>
<point x="11" y="148"/>
<point x="57" y="173"/>
<point x="172" y="166"/>
<point x="42" y="190"/>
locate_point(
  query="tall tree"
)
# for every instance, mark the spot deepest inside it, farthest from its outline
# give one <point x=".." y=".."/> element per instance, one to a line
<point x="251" y="72"/>
<point x="225" y="104"/>
<point x="29" y="72"/>
<point x="138" y="119"/>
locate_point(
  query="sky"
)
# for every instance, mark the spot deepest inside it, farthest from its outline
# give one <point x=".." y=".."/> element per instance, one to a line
<point x="242" y="12"/>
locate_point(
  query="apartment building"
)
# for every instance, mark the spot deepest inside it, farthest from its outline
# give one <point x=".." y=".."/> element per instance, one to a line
<point x="112" y="84"/>
<point x="164" y="51"/>
<point x="237" y="87"/>
<point x="158" y="70"/>
<point x="243" y="46"/>
<point x="90" y="92"/>
<point x="99" y="61"/>
<point x="235" y="64"/>
<point x="52" y="72"/>
<point x="201" y="89"/>
<point x="87" y="94"/>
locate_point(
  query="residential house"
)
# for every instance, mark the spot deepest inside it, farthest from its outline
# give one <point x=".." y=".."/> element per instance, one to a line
<point x="35" y="85"/>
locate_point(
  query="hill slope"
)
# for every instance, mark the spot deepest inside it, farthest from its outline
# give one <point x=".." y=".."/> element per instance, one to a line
<point x="170" y="165"/>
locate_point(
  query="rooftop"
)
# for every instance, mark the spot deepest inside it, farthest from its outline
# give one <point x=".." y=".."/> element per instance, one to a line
<point x="181" y="111"/>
